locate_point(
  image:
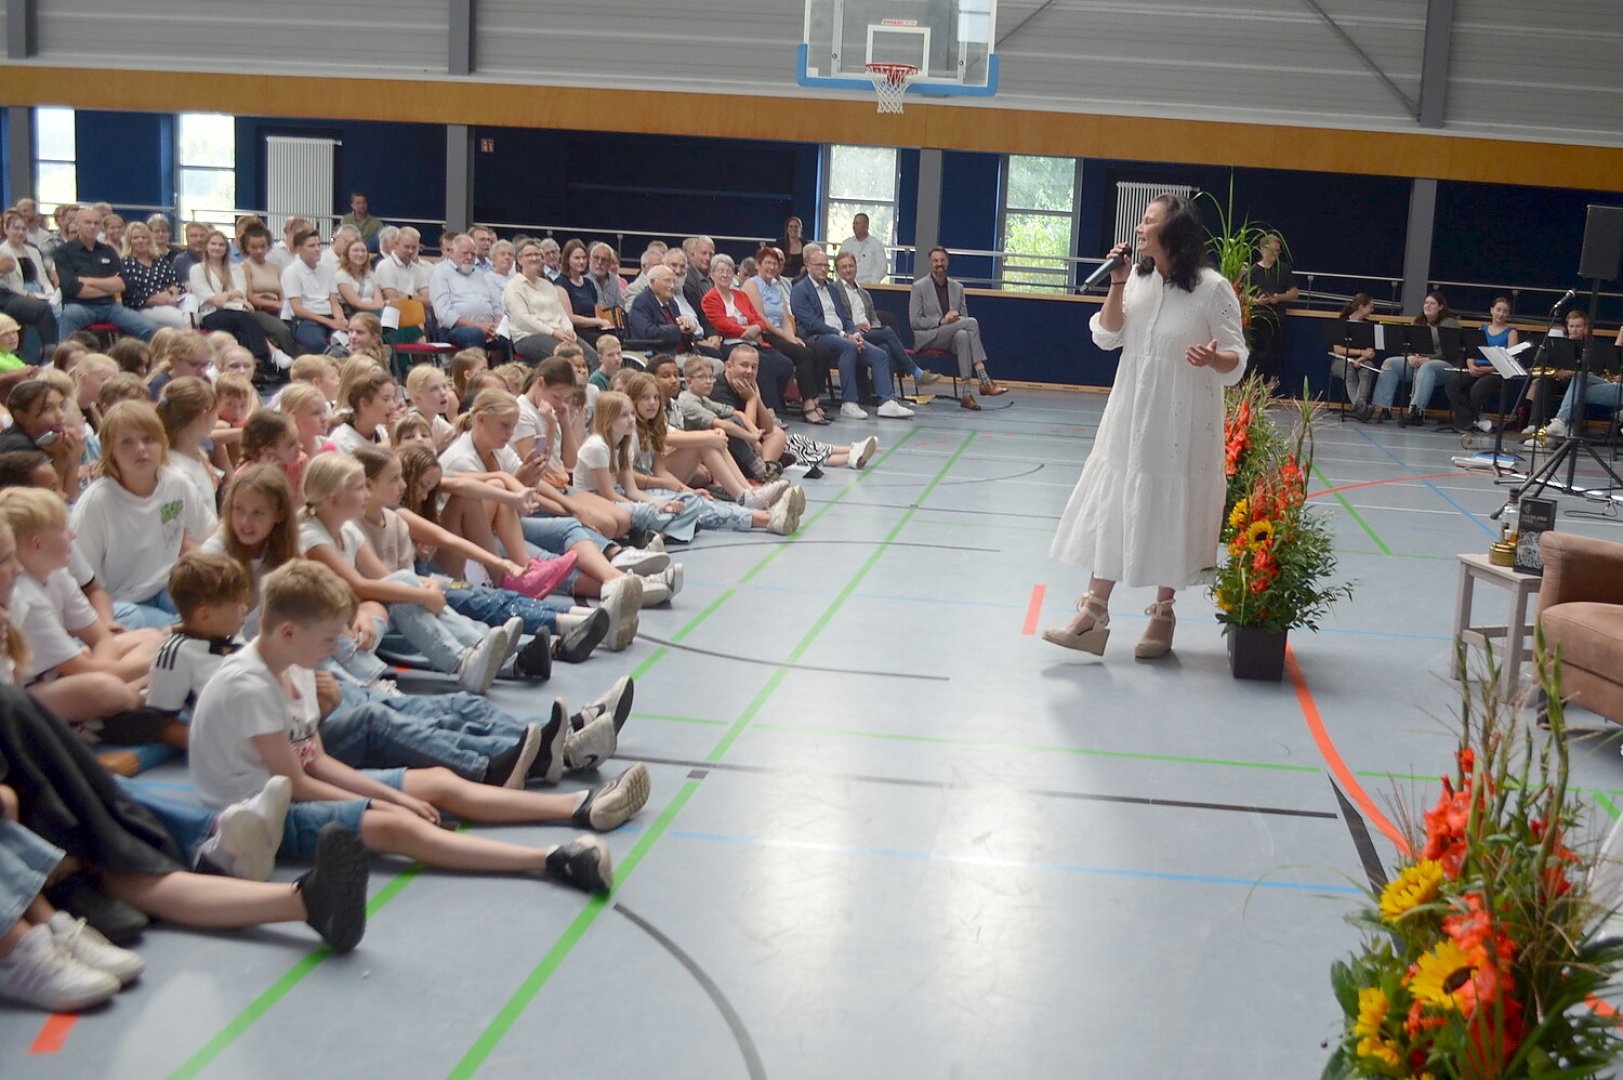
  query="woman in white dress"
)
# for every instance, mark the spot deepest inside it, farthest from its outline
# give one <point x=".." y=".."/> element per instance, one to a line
<point x="1148" y="508"/>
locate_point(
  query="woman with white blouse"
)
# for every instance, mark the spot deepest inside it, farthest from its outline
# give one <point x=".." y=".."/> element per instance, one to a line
<point x="221" y="289"/>
<point x="535" y="310"/>
<point x="357" y="285"/>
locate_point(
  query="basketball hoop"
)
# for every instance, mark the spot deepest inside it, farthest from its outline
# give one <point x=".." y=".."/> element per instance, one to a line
<point x="890" y="82"/>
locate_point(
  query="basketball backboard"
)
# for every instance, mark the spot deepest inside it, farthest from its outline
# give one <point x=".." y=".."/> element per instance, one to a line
<point x="951" y="42"/>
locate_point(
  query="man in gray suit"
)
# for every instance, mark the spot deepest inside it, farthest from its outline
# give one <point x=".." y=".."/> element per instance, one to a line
<point x="866" y="317"/>
<point x="939" y="316"/>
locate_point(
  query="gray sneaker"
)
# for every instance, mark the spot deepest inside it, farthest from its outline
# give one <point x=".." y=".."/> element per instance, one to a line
<point x="615" y="701"/>
<point x="592" y="745"/>
<point x="622" y="599"/>
<point x="613" y="804"/>
<point x="481" y="662"/>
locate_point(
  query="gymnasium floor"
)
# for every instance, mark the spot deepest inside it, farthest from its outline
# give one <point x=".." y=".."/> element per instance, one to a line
<point x="892" y="832"/>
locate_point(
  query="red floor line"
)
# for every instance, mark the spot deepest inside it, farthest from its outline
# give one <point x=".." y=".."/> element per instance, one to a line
<point x="1332" y="757"/>
<point x="1389" y="480"/>
<point x="53" y="1034"/>
<point x="1034" y="610"/>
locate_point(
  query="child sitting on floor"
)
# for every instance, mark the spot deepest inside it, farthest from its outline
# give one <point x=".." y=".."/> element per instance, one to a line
<point x="187" y="409"/>
<point x="259" y="717"/>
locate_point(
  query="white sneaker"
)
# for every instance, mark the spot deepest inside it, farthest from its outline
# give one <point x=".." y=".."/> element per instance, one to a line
<point x="42" y="974"/>
<point x="622" y="599"/>
<point x="659" y="588"/>
<point x="852" y="411"/>
<point x="785" y="516"/>
<point x="248" y="833"/>
<point x="592" y="745"/>
<point x="656" y="544"/>
<point x="514" y="629"/>
<point x="895" y="410"/>
<point x="481" y="663"/>
<point x="281" y="359"/>
<point x="85" y="944"/>
<point x="640" y="561"/>
<point x="862" y="452"/>
<point x="763" y="497"/>
<point x="1485" y="426"/>
<point x="1556" y="429"/>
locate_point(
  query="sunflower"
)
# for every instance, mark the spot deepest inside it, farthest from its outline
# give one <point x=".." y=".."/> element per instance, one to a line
<point x="1260" y="533"/>
<point x="1238" y="516"/>
<point x="1372" y="1010"/>
<point x="1415" y="886"/>
<point x="1437" y="977"/>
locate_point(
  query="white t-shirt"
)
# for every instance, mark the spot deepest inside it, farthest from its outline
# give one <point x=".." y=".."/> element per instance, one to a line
<point x="407" y="280"/>
<point x="201" y="477"/>
<point x="242" y="700"/>
<point x="347" y="439"/>
<point x="593" y="454"/>
<point x="532" y="425"/>
<point x="108" y="519"/>
<point x="313" y="287"/>
<point x="365" y="289"/>
<point x="183" y="666"/>
<point x="312" y="534"/>
<point x="461" y="457"/>
<point x="48" y="613"/>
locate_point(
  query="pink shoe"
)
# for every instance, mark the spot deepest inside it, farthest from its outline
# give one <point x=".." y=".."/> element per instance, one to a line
<point x="542" y="577"/>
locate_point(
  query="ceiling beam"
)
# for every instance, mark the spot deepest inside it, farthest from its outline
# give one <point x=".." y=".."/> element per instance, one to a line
<point x="1434" y="62"/>
<point x="1410" y="106"/>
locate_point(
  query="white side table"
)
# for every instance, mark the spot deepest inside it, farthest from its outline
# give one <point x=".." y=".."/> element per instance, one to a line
<point x="1515" y="632"/>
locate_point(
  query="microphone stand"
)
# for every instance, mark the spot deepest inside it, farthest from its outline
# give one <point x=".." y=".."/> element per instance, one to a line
<point x="1574" y="444"/>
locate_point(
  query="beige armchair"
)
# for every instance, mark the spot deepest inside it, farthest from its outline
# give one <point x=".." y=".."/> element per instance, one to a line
<point x="1581" y="610"/>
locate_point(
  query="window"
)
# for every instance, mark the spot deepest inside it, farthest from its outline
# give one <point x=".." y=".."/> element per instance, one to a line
<point x="208" y="167"/>
<point x="56" y="169"/>
<point x="860" y="180"/>
<point x="1039" y="223"/>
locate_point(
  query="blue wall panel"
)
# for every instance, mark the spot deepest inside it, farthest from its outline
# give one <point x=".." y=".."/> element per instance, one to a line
<point x="126" y="159"/>
<point x="401" y="167"/>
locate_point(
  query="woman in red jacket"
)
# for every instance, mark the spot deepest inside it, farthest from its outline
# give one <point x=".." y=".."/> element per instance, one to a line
<point x="729" y="310"/>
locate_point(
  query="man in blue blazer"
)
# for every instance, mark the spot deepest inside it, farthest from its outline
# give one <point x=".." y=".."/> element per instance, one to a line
<point x="823" y="321"/>
<point x="654" y="317"/>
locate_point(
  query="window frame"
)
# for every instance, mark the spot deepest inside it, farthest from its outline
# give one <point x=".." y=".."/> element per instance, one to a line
<point x="1062" y="285"/>
<point x="49" y="208"/>
<point x="224" y="217"/>
<point x="828" y="200"/>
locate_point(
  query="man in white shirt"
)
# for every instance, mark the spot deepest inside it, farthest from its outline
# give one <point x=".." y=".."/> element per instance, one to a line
<point x="402" y="273"/>
<point x="466" y="302"/>
<point x="310" y="295"/>
<point x="866" y="317"/>
<point x="483" y="238"/>
<point x="281" y="255"/>
<point x="822" y="318"/>
<point x="386" y="238"/>
<point x="38" y="233"/>
<point x="873" y="263"/>
<point x="333" y="254"/>
<point x="651" y="258"/>
<point x="550" y="253"/>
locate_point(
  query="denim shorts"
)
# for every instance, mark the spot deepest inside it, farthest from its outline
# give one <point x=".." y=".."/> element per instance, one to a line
<point x="305" y="819"/>
<point x="25" y="860"/>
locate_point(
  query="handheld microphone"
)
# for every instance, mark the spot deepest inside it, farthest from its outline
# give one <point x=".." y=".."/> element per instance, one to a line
<point x="1570" y="294"/>
<point x="1108" y="267"/>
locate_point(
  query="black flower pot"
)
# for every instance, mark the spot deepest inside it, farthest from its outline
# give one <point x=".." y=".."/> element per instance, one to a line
<point x="1256" y="654"/>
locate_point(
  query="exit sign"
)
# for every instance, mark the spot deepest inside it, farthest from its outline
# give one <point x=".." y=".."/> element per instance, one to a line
<point x="487" y="146"/>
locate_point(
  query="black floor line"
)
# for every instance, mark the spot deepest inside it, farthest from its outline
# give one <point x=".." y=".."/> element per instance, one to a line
<point x="1361" y="840"/>
<point x="948" y="483"/>
<point x="862" y="543"/>
<point x="741" y="1035"/>
<point x="793" y="667"/>
<point x="944" y="510"/>
<point x="1080" y="796"/>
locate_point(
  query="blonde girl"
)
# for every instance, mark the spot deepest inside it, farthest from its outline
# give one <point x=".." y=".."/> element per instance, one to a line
<point x="464" y="365"/>
<point x="305" y="404"/>
<point x="539" y="432"/>
<point x="368" y="401"/>
<point x="188" y="411"/>
<point x="432" y="398"/>
<point x="366" y="338"/>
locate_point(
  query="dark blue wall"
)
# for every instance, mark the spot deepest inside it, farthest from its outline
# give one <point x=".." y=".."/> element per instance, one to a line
<point x="127" y="159"/>
<point x="401" y="167"/>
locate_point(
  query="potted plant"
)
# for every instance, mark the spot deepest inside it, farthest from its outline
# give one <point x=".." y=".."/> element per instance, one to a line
<point x="1279" y="551"/>
<point x="1233" y="245"/>
<point x="1485" y="955"/>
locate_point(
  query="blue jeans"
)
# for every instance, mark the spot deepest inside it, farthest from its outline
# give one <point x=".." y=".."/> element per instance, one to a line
<point x="158" y="611"/>
<point x="697" y="513"/>
<point x="305" y="819"/>
<point x="76" y="317"/>
<point x="1596" y="392"/>
<point x="25" y="862"/>
<point x="845" y="353"/>
<point x="493" y="607"/>
<point x="441" y="639"/>
<point x="1395" y="370"/>
<point x="886" y="339"/>
<point x="189" y="823"/>
<point x="464" y="337"/>
<point x="311" y="336"/>
<point x="461" y="732"/>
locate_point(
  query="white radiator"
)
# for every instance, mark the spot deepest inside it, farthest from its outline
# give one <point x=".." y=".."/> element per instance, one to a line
<point x="299" y="181"/>
<point x="1131" y="200"/>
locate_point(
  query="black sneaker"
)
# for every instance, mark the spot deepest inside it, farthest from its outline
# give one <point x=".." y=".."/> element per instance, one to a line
<point x="576" y="644"/>
<point x="613" y="804"/>
<point x="534" y="661"/>
<point x="549" y="761"/>
<point x="511" y="768"/>
<point x="584" y="862"/>
<point x="334" y="890"/>
<point x="115" y="920"/>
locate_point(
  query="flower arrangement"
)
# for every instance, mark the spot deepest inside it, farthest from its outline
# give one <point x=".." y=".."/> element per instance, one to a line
<point x="1280" y="551"/>
<point x="1484" y="955"/>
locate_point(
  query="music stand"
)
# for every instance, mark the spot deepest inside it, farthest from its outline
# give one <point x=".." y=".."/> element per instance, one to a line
<point x="1350" y="334"/>
<point x="1574" y="444"/>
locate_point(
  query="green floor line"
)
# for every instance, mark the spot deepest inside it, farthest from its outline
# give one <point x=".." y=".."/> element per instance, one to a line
<point x="515" y="1005"/>
<point x="504" y="1020"/>
<point x="677" y="719"/>
<point x="1354" y="514"/>
<point x="1608" y="805"/>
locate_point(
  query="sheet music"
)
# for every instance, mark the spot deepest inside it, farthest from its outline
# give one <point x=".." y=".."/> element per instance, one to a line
<point x="1380" y="337"/>
<point x="1503" y="362"/>
<point x="1367" y="365"/>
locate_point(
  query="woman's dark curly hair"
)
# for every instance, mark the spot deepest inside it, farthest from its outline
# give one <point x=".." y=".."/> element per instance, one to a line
<point x="1184" y="238"/>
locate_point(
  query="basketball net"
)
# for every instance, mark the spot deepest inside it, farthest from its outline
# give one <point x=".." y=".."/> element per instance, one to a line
<point x="890" y="82"/>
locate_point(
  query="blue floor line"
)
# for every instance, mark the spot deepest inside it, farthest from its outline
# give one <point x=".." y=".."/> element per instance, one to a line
<point x="1439" y="492"/>
<point x="1016" y="864"/>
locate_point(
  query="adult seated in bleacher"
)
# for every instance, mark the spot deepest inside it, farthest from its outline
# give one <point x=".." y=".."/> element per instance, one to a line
<point x="484" y="238"/>
<point x="25" y="281"/>
<point x="503" y="260"/>
<point x="792" y="244"/>
<point x="535" y="310"/>
<point x="91" y="275"/>
<point x="551" y="258"/>
<point x="281" y="256"/>
<point x="823" y="319"/>
<point x="690" y="294"/>
<point x="466" y="303"/>
<point x="651" y="258"/>
<point x="938" y="311"/>
<point x="361" y="220"/>
<point x="310" y="295"/>
<point x="183" y="261"/>
<point x="357" y="284"/>
<point x="221" y="289"/>
<point x="342" y="237"/>
<point x="65" y="214"/>
<point x="37" y="229"/>
<point x="697" y="252"/>
<point x="112" y="228"/>
<point x="163" y="235"/>
<point x="150" y="286"/>
<point x="873" y="264"/>
<point x="865" y="314"/>
<point x="603" y="271"/>
<point x="736" y="320"/>
<point x="386" y="240"/>
<point x="263" y="282"/>
<point x="655" y="318"/>
<point x="580" y="293"/>
<point x="403" y="275"/>
<point x="1422" y="369"/>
